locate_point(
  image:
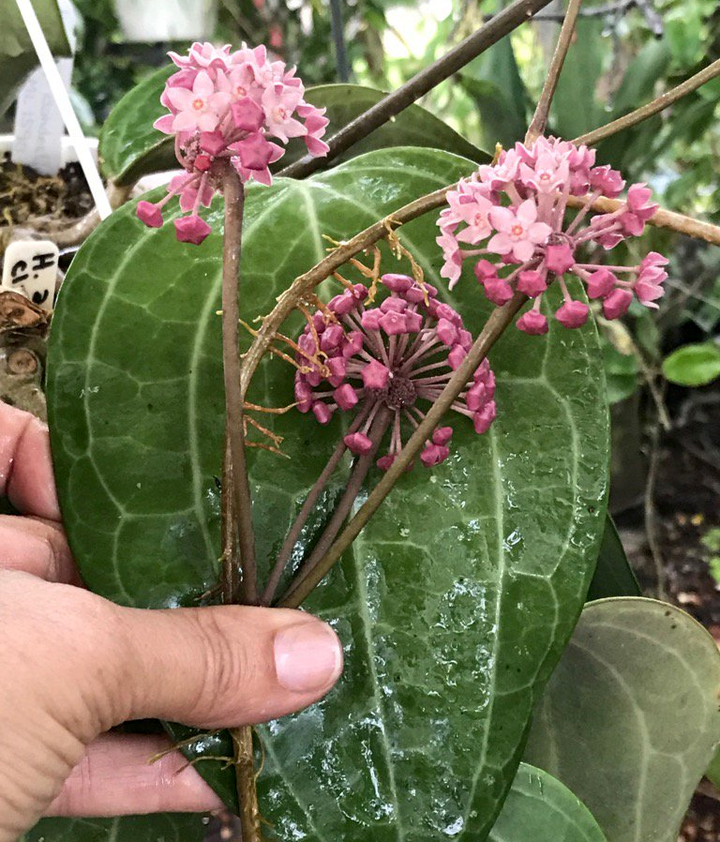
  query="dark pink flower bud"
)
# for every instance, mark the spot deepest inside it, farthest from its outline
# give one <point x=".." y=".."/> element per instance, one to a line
<point x="191" y="229"/>
<point x="212" y="142"/>
<point x="384" y="462"/>
<point x="531" y="283"/>
<point x="456" y="356"/>
<point x="331" y="338"/>
<point x="370" y="319"/>
<point x="359" y="292"/>
<point x="397" y="283"/>
<point x="601" y="283"/>
<point x="353" y="344"/>
<point x="303" y="395"/>
<point x="345" y="396"/>
<point x="483" y="419"/>
<point x="498" y="291"/>
<point x="447" y="332"/>
<point x="203" y="163"/>
<point x="247" y="115"/>
<point x="322" y="412"/>
<point x="255" y="152"/>
<point x="476" y="396"/>
<point x="617" y="303"/>
<point x="433" y="455"/>
<point x="358" y="443"/>
<point x="484" y="270"/>
<point x="559" y="258"/>
<point x="572" y="314"/>
<point x="414" y="321"/>
<point x="417" y="294"/>
<point x="442" y="435"/>
<point x="394" y="324"/>
<point x="465" y="339"/>
<point x="532" y="323"/>
<point x="375" y="375"/>
<point x="393" y="305"/>
<point x="150" y="214"/>
<point x="337" y="368"/>
<point x="445" y="311"/>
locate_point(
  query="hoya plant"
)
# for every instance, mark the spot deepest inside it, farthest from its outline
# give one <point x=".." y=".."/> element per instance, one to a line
<point x="370" y="384"/>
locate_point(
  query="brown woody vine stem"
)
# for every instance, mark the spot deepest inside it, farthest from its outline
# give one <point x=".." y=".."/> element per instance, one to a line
<point x="496" y="28"/>
<point x="234" y="203"/>
<point x="498" y="320"/>
<point x="652" y="108"/>
<point x="540" y="117"/>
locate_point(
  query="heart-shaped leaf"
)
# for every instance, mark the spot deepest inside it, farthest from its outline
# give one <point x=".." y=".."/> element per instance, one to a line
<point x="540" y="808"/>
<point x="613" y="575"/>
<point x="630" y="719"/>
<point x="161" y="827"/>
<point x="130" y="147"/>
<point x="459" y="596"/>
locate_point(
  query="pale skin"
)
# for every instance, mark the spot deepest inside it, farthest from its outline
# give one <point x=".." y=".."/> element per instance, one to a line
<point x="73" y="665"/>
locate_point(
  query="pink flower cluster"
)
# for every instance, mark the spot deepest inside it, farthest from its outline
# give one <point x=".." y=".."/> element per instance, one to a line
<point x="389" y="358"/>
<point x="224" y="107"/>
<point x="512" y="219"/>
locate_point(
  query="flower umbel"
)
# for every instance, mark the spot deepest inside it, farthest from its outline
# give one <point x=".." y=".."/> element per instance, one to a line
<point x="395" y="356"/>
<point x="516" y="211"/>
<point x="224" y="108"/>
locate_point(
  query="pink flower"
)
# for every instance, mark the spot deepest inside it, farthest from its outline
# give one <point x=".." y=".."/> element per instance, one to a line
<point x="518" y="210"/>
<point x="223" y="107"/>
<point x="200" y="108"/>
<point x="191" y="229"/>
<point x="406" y="365"/>
<point x="518" y="231"/>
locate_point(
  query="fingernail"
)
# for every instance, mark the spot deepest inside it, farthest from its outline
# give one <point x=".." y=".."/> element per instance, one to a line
<point x="308" y="657"/>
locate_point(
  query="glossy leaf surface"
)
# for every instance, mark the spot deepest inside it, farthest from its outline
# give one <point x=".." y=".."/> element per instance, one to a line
<point x="459" y="596"/>
<point x="130" y="147"/>
<point x="630" y="720"/>
<point x="541" y="809"/>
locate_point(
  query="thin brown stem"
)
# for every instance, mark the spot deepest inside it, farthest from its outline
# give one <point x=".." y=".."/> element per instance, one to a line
<point x="228" y="560"/>
<point x="342" y="510"/>
<point x="651" y="108"/>
<point x="297" y="527"/>
<point x="539" y="121"/>
<point x="232" y="240"/>
<point x="246" y="779"/>
<point x="455" y="59"/>
<point x="497" y="322"/>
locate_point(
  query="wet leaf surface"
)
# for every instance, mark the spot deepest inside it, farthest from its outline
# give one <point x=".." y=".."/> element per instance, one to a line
<point x="458" y="598"/>
<point x="165" y="827"/>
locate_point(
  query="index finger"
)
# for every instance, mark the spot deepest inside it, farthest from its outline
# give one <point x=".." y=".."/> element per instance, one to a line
<point x="26" y="475"/>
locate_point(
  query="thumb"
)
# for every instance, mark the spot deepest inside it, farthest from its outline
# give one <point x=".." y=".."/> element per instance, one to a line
<point x="226" y="666"/>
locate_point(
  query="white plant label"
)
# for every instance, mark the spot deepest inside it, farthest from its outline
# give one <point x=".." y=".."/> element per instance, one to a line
<point x="39" y="128"/>
<point x="30" y="267"/>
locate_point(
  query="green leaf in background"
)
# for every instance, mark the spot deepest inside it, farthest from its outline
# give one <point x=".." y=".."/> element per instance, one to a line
<point x="621" y="371"/>
<point x="457" y="599"/>
<point x="629" y="720"/>
<point x="493" y="81"/>
<point x="17" y="54"/>
<point x="161" y="827"/>
<point x="539" y="808"/>
<point x="613" y="575"/>
<point x="713" y="771"/>
<point x="575" y="107"/>
<point x="131" y="148"/>
<point x="693" y="365"/>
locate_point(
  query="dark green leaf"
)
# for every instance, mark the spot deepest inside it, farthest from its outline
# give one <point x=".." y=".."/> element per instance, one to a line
<point x="621" y="371"/>
<point x="575" y="109"/>
<point x="17" y="54"/>
<point x="167" y="827"/>
<point x="459" y="596"/>
<point x="131" y="148"/>
<point x="541" y="809"/>
<point x="613" y="574"/>
<point x="693" y="365"/>
<point x="630" y="719"/>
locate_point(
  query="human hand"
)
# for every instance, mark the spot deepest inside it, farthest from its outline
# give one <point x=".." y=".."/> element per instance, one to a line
<point x="74" y="665"/>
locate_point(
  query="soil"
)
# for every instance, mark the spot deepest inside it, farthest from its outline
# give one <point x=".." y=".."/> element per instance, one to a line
<point x="26" y="195"/>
